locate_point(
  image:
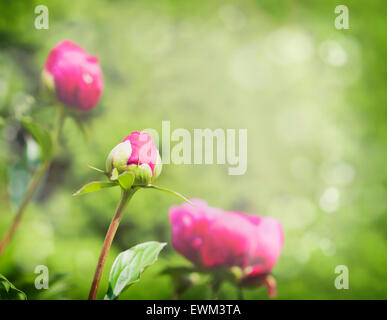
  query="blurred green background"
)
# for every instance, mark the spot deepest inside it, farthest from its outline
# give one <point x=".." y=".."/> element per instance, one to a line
<point x="313" y="99"/>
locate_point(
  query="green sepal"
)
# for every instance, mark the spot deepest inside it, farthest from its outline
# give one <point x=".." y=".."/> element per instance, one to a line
<point x="126" y="180"/>
<point x="174" y="193"/>
<point x="114" y="175"/>
<point x="97" y="169"/>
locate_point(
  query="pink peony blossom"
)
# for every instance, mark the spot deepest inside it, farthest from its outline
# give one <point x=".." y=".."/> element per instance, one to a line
<point x="75" y="76"/>
<point x="212" y="238"/>
<point x="136" y="153"/>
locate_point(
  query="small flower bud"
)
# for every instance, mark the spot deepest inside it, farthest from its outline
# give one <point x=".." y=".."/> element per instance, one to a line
<point x="75" y="76"/>
<point x="138" y="154"/>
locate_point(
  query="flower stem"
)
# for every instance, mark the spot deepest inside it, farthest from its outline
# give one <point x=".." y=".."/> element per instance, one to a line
<point x="39" y="173"/>
<point x="27" y="197"/>
<point x="126" y="195"/>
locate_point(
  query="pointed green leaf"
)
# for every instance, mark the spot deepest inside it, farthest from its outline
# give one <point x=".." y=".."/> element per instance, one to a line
<point x="126" y="180"/>
<point x="129" y="265"/>
<point x="9" y="292"/>
<point x="41" y="135"/>
<point x="174" y="193"/>
<point x="94" y="186"/>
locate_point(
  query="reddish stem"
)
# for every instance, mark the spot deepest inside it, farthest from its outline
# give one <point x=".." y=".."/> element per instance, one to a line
<point x="125" y="197"/>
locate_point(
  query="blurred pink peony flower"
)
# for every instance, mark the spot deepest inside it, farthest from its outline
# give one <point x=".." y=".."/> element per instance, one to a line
<point x="75" y="76"/>
<point x="212" y="238"/>
<point x="137" y="153"/>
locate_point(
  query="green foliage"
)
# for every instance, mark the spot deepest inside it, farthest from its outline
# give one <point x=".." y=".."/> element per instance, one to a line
<point x="129" y="265"/>
<point x="8" y="291"/>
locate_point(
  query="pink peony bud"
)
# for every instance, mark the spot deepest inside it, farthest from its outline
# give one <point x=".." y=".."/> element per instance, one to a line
<point x="75" y="76"/>
<point x="138" y="154"/>
<point x="213" y="238"/>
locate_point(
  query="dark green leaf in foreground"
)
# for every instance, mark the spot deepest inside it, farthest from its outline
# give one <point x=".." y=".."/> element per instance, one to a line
<point x="9" y="292"/>
<point x="129" y="265"/>
<point x="94" y="186"/>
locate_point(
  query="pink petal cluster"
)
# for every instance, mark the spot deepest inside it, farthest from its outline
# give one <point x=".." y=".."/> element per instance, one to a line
<point x="211" y="238"/>
<point x="144" y="150"/>
<point x="136" y="154"/>
<point x="76" y="76"/>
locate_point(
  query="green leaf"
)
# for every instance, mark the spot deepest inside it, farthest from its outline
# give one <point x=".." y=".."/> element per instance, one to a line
<point x="9" y="292"/>
<point x="41" y="135"/>
<point x="129" y="265"/>
<point x="126" y="180"/>
<point x="94" y="186"/>
<point x="174" y="193"/>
